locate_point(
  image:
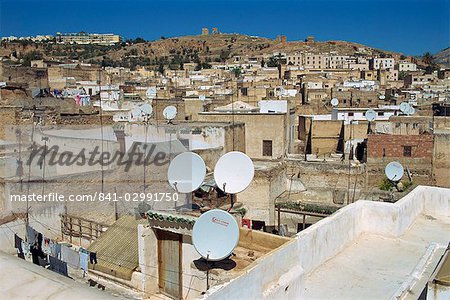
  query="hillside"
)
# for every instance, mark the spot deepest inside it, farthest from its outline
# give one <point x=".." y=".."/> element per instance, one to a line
<point x="179" y="50"/>
<point x="443" y="57"/>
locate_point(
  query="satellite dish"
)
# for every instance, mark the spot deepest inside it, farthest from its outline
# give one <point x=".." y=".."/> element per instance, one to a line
<point x="371" y="115"/>
<point x="394" y="171"/>
<point x="334" y="102"/>
<point x="215" y="235"/>
<point x="136" y="112"/>
<point x="186" y="172"/>
<point x="404" y="106"/>
<point x="233" y="172"/>
<point x="382" y="97"/>
<point x="151" y="92"/>
<point x="146" y="109"/>
<point x="410" y="110"/>
<point x="170" y="112"/>
<point x="202" y="97"/>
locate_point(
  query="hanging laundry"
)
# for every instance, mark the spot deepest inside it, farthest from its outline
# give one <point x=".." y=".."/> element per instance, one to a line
<point x="56" y="250"/>
<point x="25" y="248"/>
<point x="84" y="258"/>
<point x="77" y="99"/>
<point x="246" y="223"/>
<point x="93" y="257"/>
<point x="43" y="261"/>
<point x="258" y="225"/>
<point x="71" y="257"/>
<point x="35" y="255"/>
<point x="18" y="243"/>
<point x="58" y="266"/>
<point x="46" y="246"/>
<point x="31" y="235"/>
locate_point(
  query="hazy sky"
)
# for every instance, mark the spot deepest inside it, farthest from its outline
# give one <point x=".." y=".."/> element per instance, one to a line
<point x="409" y="26"/>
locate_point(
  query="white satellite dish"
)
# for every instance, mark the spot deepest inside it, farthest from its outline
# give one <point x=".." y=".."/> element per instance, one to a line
<point x="146" y="109"/>
<point x="371" y="115"/>
<point x="215" y="235"/>
<point x="404" y="106"/>
<point x="410" y="110"/>
<point x="136" y="112"/>
<point x="202" y="97"/>
<point x="233" y="172"/>
<point x="394" y="171"/>
<point x="334" y="102"/>
<point x="382" y="97"/>
<point x="186" y="172"/>
<point x="170" y="112"/>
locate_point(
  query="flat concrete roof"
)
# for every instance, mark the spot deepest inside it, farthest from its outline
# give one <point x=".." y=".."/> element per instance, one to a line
<point x="376" y="266"/>
<point x="20" y="279"/>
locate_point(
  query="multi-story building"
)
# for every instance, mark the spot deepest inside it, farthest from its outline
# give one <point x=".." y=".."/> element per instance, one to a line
<point x="357" y="63"/>
<point x="314" y="61"/>
<point x="336" y="61"/>
<point x="381" y="63"/>
<point x="406" y="66"/>
<point x="295" y="59"/>
<point x="88" y="38"/>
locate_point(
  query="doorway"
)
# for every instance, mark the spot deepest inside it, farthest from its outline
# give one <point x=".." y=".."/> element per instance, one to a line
<point x="170" y="263"/>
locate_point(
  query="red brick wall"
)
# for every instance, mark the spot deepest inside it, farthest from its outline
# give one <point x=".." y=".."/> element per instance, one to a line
<point x="422" y="145"/>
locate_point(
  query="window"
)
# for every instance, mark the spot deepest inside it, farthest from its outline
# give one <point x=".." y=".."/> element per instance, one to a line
<point x="350" y="114"/>
<point x="407" y="150"/>
<point x="380" y="113"/>
<point x="267" y="148"/>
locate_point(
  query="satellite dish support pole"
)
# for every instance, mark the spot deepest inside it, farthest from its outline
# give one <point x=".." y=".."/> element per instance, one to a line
<point x="207" y="272"/>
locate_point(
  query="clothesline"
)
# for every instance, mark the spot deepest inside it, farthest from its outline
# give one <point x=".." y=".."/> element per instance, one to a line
<point x="47" y="252"/>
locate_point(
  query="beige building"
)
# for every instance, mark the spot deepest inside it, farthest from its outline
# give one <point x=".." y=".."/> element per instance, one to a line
<point x="83" y="38"/>
<point x="406" y="66"/>
<point x="382" y="63"/>
<point x="314" y="61"/>
<point x="266" y="134"/>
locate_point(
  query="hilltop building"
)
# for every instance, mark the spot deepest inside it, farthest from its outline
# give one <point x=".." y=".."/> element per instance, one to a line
<point x="84" y="38"/>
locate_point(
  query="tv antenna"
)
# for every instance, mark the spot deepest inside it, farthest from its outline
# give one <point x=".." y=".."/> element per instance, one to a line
<point x="215" y="235"/>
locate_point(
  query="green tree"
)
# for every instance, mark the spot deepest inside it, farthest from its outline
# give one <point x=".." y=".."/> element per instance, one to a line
<point x="198" y="67"/>
<point x="139" y="40"/>
<point x="427" y="58"/>
<point x="237" y="72"/>
<point x="224" y="54"/>
<point x="32" y="55"/>
<point x="161" y="68"/>
<point x="273" y="62"/>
